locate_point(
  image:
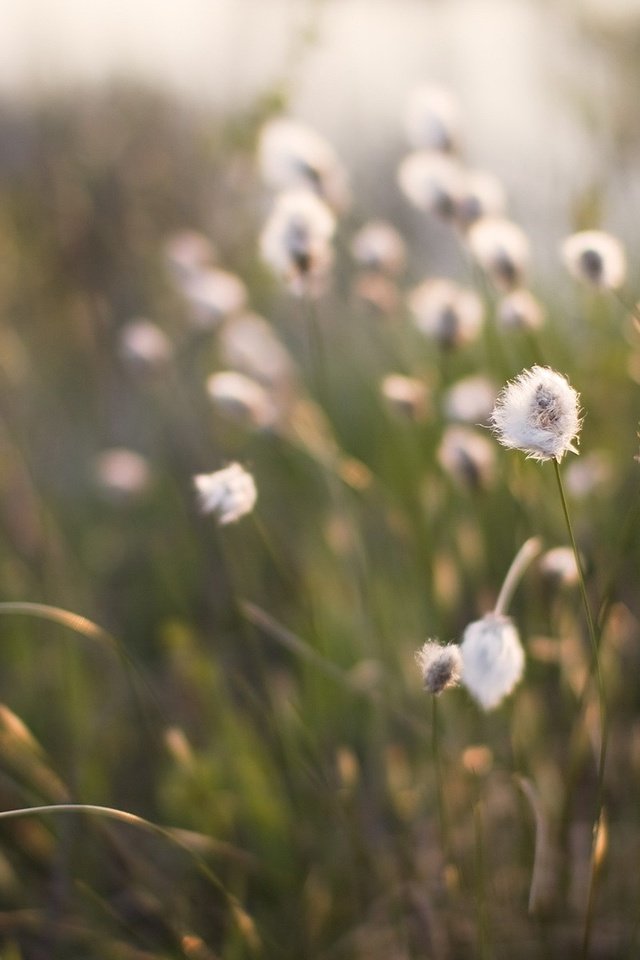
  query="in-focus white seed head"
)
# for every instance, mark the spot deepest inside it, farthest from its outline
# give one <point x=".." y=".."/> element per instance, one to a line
<point x="241" y="399"/>
<point x="538" y="413"/>
<point x="492" y="659"/>
<point x="292" y="154"/>
<point x="432" y="182"/>
<point x="468" y="457"/>
<point x="229" y="493"/>
<point x="501" y="249"/>
<point x="432" y="118"/>
<point x="446" y="312"/>
<point x="296" y="242"/>
<point x="378" y="246"/>
<point x="595" y="258"/>
<point x="440" y="665"/>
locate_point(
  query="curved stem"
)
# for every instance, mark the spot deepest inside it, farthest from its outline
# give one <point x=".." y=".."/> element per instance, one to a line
<point x="529" y="549"/>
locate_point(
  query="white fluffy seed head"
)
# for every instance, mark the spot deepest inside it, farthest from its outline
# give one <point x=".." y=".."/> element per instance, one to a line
<point x="492" y="659"/>
<point x="481" y="195"/>
<point x="292" y="154"/>
<point x="378" y="246"/>
<point x="440" y="665"/>
<point x="406" y="396"/>
<point x="432" y="182"/>
<point x="213" y="295"/>
<point x="241" y="399"/>
<point x="432" y="118"/>
<point x="538" y="413"/>
<point x="143" y="345"/>
<point x="501" y="249"/>
<point x="446" y="312"/>
<point x="595" y="258"/>
<point x="470" y="400"/>
<point x="559" y="564"/>
<point x="520" y="310"/>
<point x="296" y="241"/>
<point x="229" y="493"/>
<point x="468" y="457"/>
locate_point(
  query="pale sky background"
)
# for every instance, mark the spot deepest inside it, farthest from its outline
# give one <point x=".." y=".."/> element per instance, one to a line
<point x="525" y="77"/>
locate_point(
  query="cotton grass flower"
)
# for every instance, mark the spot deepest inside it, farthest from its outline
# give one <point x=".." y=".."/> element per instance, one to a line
<point x="492" y="659"/>
<point x="187" y="252"/>
<point x="121" y="474"/>
<point x="241" y="399"/>
<point x="538" y="413"/>
<point x="595" y="258"/>
<point x="520" y="310"/>
<point x="213" y="294"/>
<point x="296" y="242"/>
<point x="378" y="246"/>
<point x="292" y="154"/>
<point x="405" y="396"/>
<point x="440" y="666"/>
<point x="467" y="457"/>
<point x="229" y="493"/>
<point x="432" y="182"/>
<point x="470" y="400"/>
<point x="144" y="346"/>
<point x="446" y="312"/>
<point x="432" y="118"/>
<point x="501" y="249"/>
<point x="481" y="195"/>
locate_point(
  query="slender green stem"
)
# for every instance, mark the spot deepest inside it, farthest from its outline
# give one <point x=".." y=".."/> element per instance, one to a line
<point x="595" y="667"/>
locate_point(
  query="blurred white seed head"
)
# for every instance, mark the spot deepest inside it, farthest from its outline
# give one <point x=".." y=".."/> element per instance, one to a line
<point x="432" y="182"/>
<point x="212" y="295"/>
<point x="241" y="399"/>
<point x="379" y="246"/>
<point x="121" y="474"/>
<point x="291" y="154"/>
<point x="587" y="476"/>
<point x="377" y="291"/>
<point x="492" y="659"/>
<point x="559" y="565"/>
<point x="470" y="400"/>
<point x="446" y="312"/>
<point x="143" y="345"/>
<point x="432" y="118"/>
<point x="296" y="242"/>
<point x="229" y="493"/>
<point x="249" y="344"/>
<point x="538" y="413"/>
<point x="188" y="252"/>
<point x="405" y="396"/>
<point x="520" y="310"/>
<point x="439" y="665"/>
<point x="595" y="258"/>
<point x="467" y="457"/>
<point x="501" y="248"/>
<point x="481" y="195"/>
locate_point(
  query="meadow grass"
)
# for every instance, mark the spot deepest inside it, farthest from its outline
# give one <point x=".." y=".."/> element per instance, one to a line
<point x="214" y="740"/>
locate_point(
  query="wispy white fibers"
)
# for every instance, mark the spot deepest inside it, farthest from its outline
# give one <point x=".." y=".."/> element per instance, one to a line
<point x="229" y="493"/>
<point x="440" y="665"/>
<point x="538" y="413"/>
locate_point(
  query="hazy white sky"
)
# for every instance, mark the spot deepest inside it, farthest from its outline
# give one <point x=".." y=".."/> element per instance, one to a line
<point x="510" y="61"/>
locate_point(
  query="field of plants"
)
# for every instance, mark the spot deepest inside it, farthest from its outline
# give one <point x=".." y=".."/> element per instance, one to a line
<point x="319" y="608"/>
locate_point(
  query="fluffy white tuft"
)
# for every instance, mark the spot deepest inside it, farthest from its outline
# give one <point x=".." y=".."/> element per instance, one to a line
<point x="492" y="659"/>
<point x="538" y="413"/>
<point x="229" y="493"/>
